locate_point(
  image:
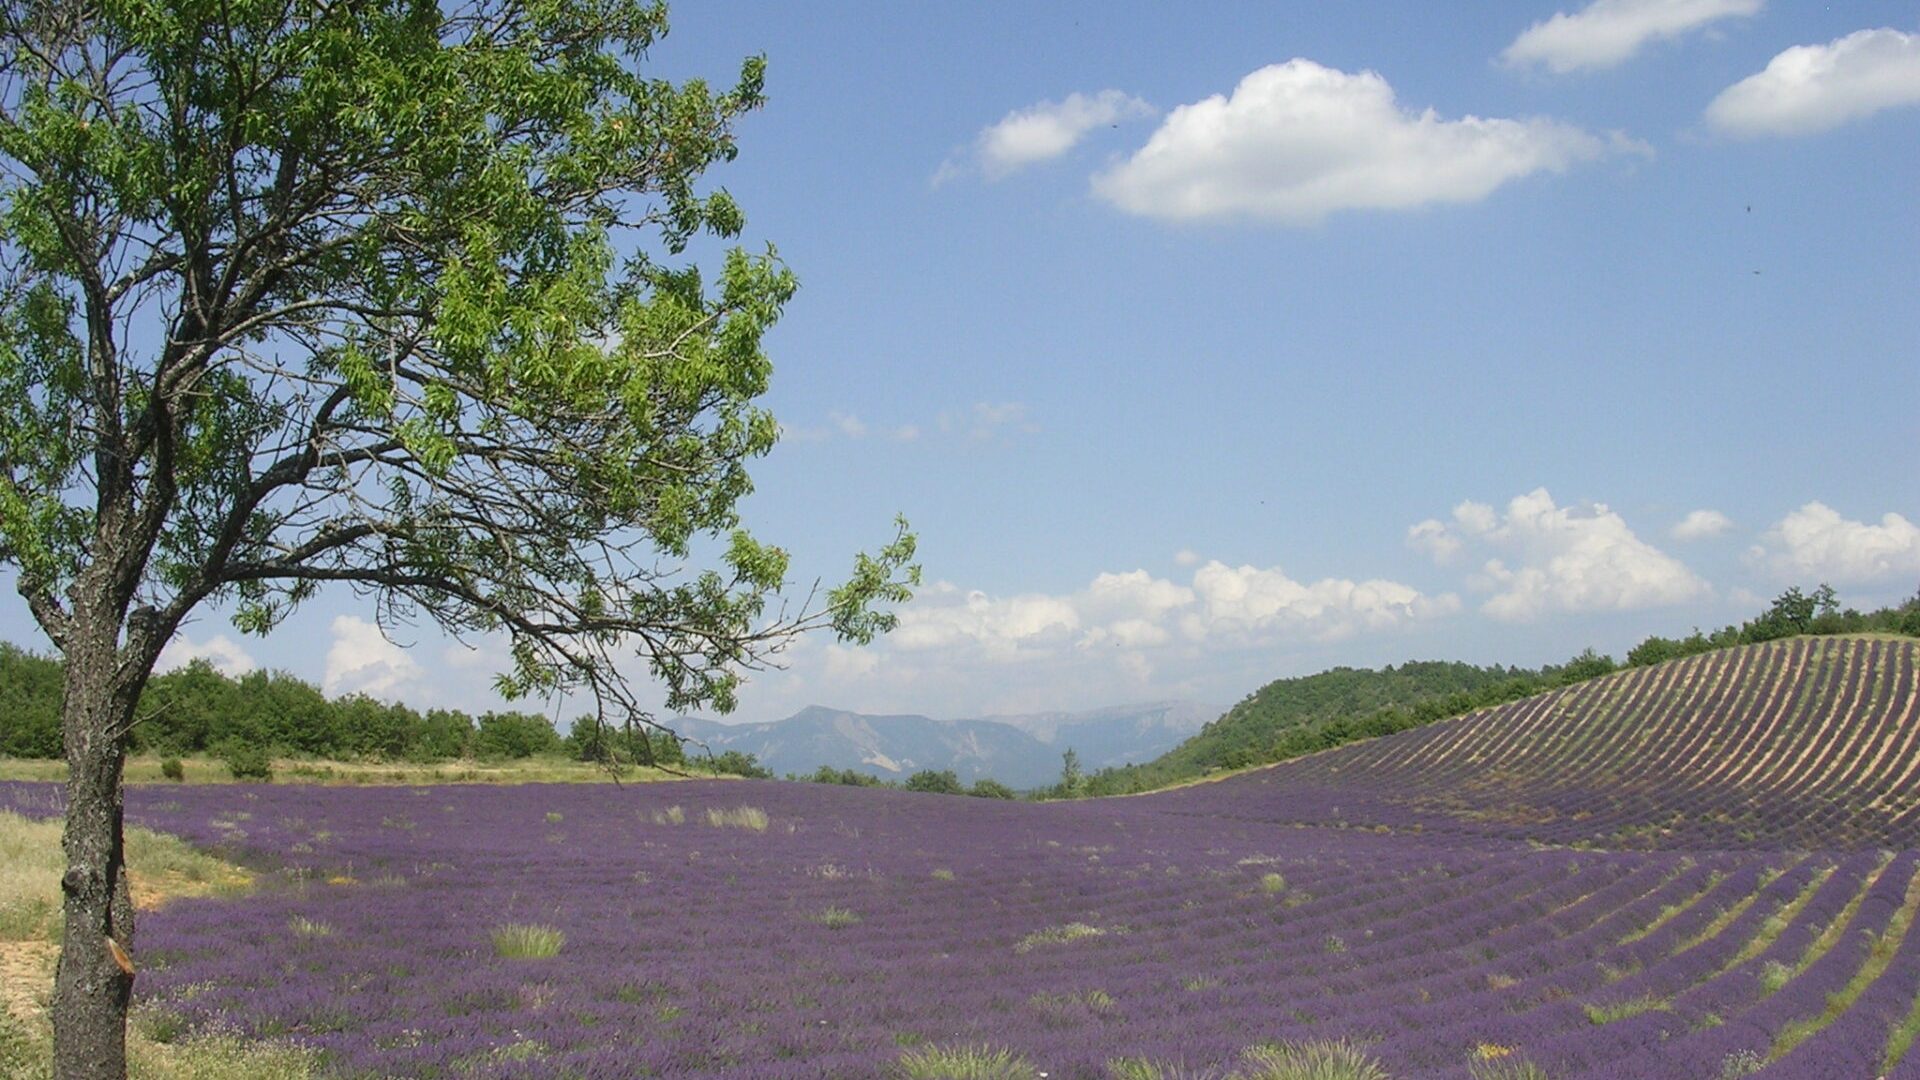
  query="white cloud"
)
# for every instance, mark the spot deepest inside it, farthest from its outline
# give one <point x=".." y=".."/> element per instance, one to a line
<point x="845" y="664"/>
<point x="983" y="421"/>
<point x="1044" y="131"/>
<point x="944" y="617"/>
<point x="1811" y="88"/>
<point x="1297" y="141"/>
<point x="988" y="419"/>
<point x="847" y="424"/>
<point x="361" y="660"/>
<point x="1568" y="559"/>
<point x="1231" y="606"/>
<point x="1477" y="518"/>
<point x="226" y="655"/>
<point x="1252" y="605"/>
<point x="1186" y="557"/>
<point x="1132" y="635"/>
<point x="1702" y="524"/>
<point x="1814" y="543"/>
<point x="1433" y="538"/>
<point x="1609" y="32"/>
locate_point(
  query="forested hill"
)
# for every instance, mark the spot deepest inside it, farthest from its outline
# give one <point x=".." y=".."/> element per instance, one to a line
<point x="1246" y="733"/>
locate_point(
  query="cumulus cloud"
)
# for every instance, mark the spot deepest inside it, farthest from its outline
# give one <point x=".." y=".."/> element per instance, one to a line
<point x="361" y="660"/>
<point x="1702" y="524"/>
<point x="1433" y="538"/>
<point x="1814" y="543"/>
<point x="1042" y="132"/>
<point x="226" y="655"/>
<point x="1564" y="559"/>
<point x="943" y="617"/>
<point x="1609" y="32"/>
<point x="1297" y="141"/>
<point x="1253" y="605"/>
<point x="1224" y="605"/>
<point x="1810" y="88"/>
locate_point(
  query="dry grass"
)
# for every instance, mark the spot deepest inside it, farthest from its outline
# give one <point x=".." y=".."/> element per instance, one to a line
<point x="738" y="817"/>
<point x="145" y="769"/>
<point x="162" y="868"/>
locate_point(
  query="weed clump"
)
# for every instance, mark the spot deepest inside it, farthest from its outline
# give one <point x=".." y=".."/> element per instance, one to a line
<point x="739" y="817"/>
<point x="965" y="1063"/>
<point x="527" y="941"/>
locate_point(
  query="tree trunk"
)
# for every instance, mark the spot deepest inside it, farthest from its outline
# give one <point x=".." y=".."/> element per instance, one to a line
<point x="94" y="981"/>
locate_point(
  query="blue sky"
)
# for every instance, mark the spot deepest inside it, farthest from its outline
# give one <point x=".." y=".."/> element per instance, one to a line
<point x="1208" y="344"/>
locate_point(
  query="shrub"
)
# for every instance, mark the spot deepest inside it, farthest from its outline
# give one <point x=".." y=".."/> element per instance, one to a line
<point x="173" y="770"/>
<point x="1272" y="883"/>
<point x="248" y="762"/>
<point x="943" y="782"/>
<point x="527" y="941"/>
<point x="735" y="763"/>
<point x="988" y="788"/>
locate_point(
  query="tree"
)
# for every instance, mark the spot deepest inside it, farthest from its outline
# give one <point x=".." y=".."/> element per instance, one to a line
<point x="1073" y="782"/>
<point x="305" y="292"/>
<point x="940" y="782"/>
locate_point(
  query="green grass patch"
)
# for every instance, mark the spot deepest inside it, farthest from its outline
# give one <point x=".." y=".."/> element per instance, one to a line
<point x="1060" y="935"/>
<point x="837" y="918"/>
<point x="527" y="941"/>
<point x="1609" y="1012"/>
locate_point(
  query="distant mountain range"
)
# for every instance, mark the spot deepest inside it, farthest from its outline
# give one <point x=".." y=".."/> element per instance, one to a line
<point x="1021" y="751"/>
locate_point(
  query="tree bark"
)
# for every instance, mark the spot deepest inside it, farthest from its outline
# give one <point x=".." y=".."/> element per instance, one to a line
<point x="94" y="983"/>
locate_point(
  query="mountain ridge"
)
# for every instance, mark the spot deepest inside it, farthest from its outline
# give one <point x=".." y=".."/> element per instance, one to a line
<point x="1022" y="750"/>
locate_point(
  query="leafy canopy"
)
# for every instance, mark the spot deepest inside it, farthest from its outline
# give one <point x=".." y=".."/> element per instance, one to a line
<point x="376" y="292"/>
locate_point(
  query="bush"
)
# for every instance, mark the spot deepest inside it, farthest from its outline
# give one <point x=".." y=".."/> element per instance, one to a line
<point x="735" y="763"/>
<point x="247" y="762"/>
<point x="174" y="771"/>
<point x="943" y="782"/>
<point x="988" y="788"/>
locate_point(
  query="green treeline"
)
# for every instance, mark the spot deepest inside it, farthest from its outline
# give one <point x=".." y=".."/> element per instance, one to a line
<point x="930" y="781"/>
<point x="1289" y="718"/>
<point x="198" y="710"/>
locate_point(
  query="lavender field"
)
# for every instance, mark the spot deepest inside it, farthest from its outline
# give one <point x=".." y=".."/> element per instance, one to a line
<point x="1705" y="869"/>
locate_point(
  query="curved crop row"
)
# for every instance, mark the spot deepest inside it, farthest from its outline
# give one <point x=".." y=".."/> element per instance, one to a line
<point x="1804" y="743"/>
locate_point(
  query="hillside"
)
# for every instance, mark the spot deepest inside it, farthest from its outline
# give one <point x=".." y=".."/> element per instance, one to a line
<point x="1248" y="733"/>
<point x="1806" y="742"/>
